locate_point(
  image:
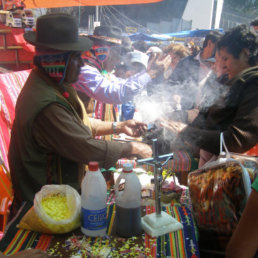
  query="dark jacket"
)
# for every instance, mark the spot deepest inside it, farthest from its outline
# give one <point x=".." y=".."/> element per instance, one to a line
<point x="184" y="81"/>
<point x="32" y="167"/>
<point x="235" y="115"/>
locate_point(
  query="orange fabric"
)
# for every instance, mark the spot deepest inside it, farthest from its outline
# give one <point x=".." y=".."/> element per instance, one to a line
<point x="5" y="185"/>
<point x="66" y="3"/>
<point x="253" y="151"/>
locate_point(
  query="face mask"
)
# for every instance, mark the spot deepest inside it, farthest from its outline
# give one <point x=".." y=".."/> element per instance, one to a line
<point x="101" y="52"/>
<point x="53" y="62"/>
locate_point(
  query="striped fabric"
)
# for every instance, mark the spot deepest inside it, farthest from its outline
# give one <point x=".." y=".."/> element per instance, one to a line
<point x="181" y="162"/>
<point x="5" y="184"/>
<point x="4" y="205"/>
<point x="10" y="87"/>
<point x="177" y="244"/>
<point x="24" y="239"/>
<point x="4" y="211"/>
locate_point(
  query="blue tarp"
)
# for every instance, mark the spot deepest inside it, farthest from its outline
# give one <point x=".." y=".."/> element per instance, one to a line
<point x="146" y="37"/>
<point x="190" y="33"/>
<point x="170" y="36"/>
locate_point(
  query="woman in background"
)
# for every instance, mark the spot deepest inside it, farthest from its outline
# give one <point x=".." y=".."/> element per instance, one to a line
<point x="235" y="114"/>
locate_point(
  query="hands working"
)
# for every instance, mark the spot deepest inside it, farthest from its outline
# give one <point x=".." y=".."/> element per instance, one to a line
<point x="134" y="149"/>
<point x="132" y="128"/>
<point x="141" y="150"/>
<point x="173" y="126"/>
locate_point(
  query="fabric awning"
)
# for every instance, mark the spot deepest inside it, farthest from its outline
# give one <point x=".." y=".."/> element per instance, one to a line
<point x="67" y="3"/>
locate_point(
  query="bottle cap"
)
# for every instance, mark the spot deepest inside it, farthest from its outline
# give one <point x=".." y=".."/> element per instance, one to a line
<point x="128" y="168"/>
<point x="93" y="165"/>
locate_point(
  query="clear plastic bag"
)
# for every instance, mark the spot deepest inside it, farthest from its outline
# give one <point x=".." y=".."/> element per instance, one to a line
<point x="56" y="210"/>
<point x="219" y="191"/>
<point x="249" y="162"/>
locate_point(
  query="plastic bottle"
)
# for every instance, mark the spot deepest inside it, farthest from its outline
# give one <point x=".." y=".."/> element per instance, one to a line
<point x="128" y="203"/>
<point x="93" y="201"/>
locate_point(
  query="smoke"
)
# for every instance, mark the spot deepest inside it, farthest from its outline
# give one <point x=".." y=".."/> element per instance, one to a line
<point x="172" y="101"/>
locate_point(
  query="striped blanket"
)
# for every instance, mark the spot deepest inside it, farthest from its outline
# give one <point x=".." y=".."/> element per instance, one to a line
<point x="10" y="87"/>
<point x="179" y="244"/>
<point x="182" y="161"/>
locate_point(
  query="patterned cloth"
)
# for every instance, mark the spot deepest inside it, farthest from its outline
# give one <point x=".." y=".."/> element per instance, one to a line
<point x="53" y="62"/>
<point x="181" y="243"/>
<point x="181" y="162"/>
<point x="10" y="87"/>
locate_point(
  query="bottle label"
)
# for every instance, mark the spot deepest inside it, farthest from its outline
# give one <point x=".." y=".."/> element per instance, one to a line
<point x="94" y="219"/>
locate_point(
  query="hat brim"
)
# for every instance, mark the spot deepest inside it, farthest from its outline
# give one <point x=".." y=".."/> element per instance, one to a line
<point x="136" y="60"/>
<point x="82" y="44"/>
<point x="106" y="39"/>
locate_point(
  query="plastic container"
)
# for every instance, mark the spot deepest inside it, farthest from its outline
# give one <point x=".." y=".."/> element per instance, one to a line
<point x="93" y="201"/>
<point x="128" y="203"/>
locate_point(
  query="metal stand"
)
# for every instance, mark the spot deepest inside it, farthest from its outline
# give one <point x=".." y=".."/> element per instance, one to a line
<point x="160" y="222"/>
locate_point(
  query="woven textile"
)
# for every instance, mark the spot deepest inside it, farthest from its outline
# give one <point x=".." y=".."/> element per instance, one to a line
<point x="10" y="87"/>
<point x="179" y="244"/>
<point x="181" y="161"/>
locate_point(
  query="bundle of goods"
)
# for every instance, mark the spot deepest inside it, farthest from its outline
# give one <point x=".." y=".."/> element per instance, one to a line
<point x="171" y="189"/>
<point x="56" y="210"/>
<point x="219" y="193"/>
<point x="249" y="162"/>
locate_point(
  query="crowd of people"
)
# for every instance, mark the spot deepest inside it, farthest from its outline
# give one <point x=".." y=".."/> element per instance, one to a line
<point x="84" y="88"/>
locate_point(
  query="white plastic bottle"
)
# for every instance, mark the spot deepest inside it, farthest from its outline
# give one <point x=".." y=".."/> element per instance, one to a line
<point x="128" y="203"/>
<point x="93" y="201"/>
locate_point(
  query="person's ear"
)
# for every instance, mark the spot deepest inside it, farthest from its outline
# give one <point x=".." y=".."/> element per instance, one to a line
<point x="245" y="53"/>
<point x="211" y="45"/>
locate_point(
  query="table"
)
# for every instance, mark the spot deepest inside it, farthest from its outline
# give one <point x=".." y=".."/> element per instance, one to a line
<point x="179" y="244"/>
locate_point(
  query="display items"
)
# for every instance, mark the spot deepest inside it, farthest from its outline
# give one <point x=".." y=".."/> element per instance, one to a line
<point x="56" y="210"/>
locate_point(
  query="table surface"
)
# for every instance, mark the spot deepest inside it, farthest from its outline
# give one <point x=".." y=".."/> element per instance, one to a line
<point x="181" y="243"/>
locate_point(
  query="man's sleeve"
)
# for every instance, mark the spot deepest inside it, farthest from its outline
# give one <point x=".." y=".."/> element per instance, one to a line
<point x="58" y="130"/>
<point x="114" y="90"/>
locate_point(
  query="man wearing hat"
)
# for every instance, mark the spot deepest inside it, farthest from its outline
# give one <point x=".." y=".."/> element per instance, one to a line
<point x="52" y="136"/>
<point x="96" y="80"/>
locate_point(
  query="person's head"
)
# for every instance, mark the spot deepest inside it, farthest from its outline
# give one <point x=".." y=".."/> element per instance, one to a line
<point x="254" y="25"/>
<point x="136" y="62"/>
<point x="219" y="66"/>
<point x="58" y="46"/>
<point x="107" y="42"/>
<point x="238" y="49"/>
<point x="209" y="44"/>
<point x="140" y="45"/>
<point x="126" y="45"/>
<point x="176" y="52"/>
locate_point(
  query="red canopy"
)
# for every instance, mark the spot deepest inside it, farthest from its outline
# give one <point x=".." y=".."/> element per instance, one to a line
<point x="66" y="3"/>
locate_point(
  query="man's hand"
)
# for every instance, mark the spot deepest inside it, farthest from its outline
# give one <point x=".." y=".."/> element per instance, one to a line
<point x="132" y="128"/>
<point x="140" y="150"/>
<point x="173" y="126"/>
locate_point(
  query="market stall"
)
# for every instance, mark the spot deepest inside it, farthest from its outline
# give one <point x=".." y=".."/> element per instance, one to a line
<point x="182" y="243"/>
<point x="16" y="54"/>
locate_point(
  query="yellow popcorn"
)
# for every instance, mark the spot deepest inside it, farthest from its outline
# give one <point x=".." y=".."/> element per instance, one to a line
<point x="56" y="207"/>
